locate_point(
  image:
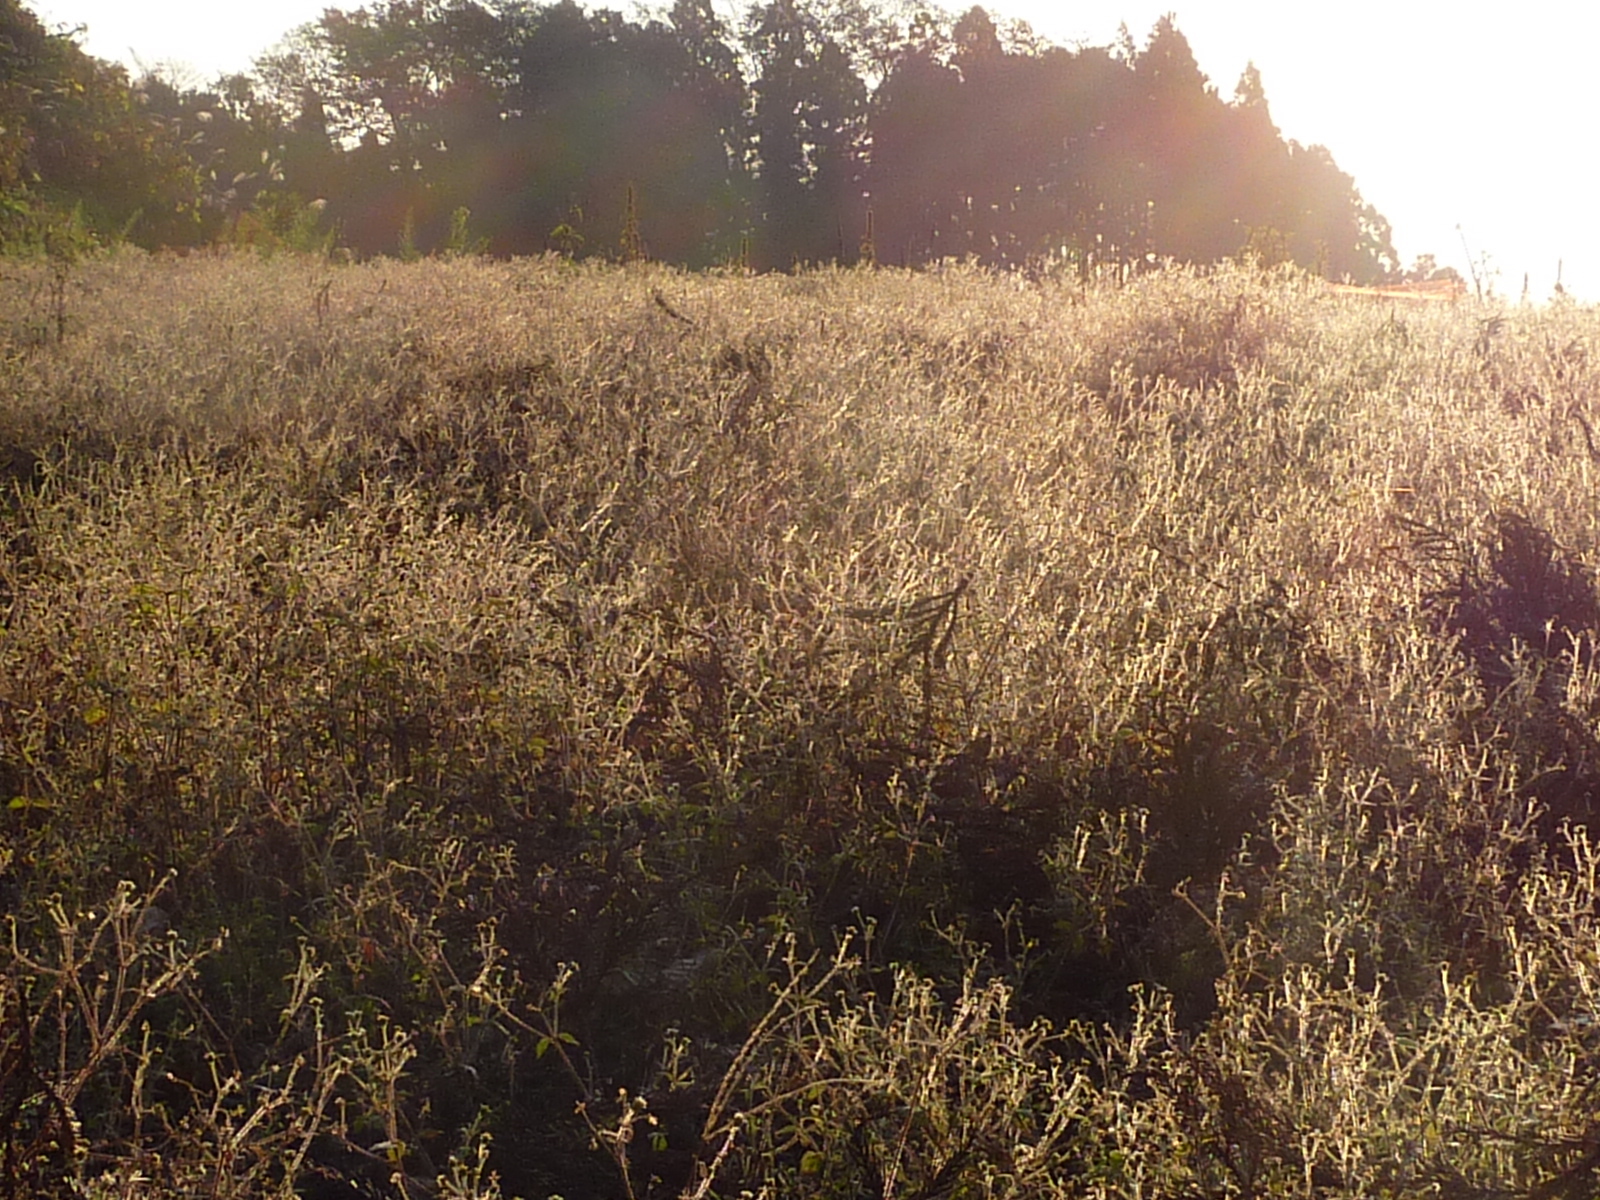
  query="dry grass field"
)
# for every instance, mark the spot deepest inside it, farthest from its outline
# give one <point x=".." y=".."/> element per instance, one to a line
<point x="475" y="728"/>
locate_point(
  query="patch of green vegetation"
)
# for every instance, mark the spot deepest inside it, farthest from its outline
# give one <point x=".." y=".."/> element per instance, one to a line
<point x="477" y="728"/>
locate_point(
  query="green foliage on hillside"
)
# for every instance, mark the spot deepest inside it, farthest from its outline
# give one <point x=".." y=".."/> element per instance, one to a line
<point x="849" y="733"/>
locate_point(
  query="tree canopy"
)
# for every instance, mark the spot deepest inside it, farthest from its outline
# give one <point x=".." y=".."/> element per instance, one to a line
<point x="814" y="130"/>
<point x="74" y="133"/>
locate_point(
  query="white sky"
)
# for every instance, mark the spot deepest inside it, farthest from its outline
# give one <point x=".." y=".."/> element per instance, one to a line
<point x="1446" y="115"/>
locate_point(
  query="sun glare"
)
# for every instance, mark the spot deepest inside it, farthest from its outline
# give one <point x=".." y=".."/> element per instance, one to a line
<point x="1464" y="133"/>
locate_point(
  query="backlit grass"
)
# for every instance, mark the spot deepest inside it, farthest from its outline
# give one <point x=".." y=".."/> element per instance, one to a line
<point x="820" y="735"/>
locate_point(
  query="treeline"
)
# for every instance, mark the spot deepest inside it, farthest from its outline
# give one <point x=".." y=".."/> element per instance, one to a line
<point x="814" y="131"/>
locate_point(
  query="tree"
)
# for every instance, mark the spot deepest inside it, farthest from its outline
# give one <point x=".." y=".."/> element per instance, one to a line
<point x="809" y="124"/>
<point x="1177" y="141"/>
<point x="413" y="87"/>
<point x="1331" y="229"/>
<point x="1099" y="180"/>
<point x="1254" y="167"/>
<point x="915" y="175"/>
<point x="605" y="108"/>
<point x="25" y="70"/>
<point x="74" y="134"/>
<point x="556" y="125"/>
<point x="962" y="147"/>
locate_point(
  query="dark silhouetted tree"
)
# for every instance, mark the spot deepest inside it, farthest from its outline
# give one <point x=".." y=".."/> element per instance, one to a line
<point x="1254" y="166"/>
<point x="809" y="121"/>
<point x="1178" y="144"/>
<point x="1331" y="229"/>
<point x="593" y="132"/>
<point x="601" y="107"/>
<point x="916" y="176"/>
<point x="410" y="86"/>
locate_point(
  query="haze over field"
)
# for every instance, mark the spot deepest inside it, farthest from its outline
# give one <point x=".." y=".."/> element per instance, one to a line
<point x="1443" y="122"/>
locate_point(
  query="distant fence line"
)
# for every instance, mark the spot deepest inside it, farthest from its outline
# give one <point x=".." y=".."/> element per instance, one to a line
<point x="1434" y="291"/>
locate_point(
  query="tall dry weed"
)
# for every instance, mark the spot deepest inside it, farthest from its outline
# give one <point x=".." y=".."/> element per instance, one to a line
<point x="503" y="677"/>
